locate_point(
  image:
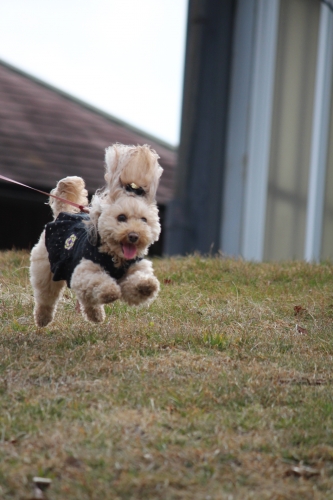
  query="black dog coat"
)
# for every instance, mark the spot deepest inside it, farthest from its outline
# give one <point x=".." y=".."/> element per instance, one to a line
<point x="67" y="242"/>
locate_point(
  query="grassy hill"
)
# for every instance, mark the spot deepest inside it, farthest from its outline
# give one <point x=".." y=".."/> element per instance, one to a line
<point x="222" y="389"/>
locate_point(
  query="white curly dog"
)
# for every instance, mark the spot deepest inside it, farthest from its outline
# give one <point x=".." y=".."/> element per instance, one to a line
<point x="100" y="255"/>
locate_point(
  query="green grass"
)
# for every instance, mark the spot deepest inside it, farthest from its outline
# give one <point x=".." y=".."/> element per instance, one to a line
<point x="211" y="393"/>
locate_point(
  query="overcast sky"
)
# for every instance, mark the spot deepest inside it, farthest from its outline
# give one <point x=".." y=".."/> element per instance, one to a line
<point x="125" y="57"/>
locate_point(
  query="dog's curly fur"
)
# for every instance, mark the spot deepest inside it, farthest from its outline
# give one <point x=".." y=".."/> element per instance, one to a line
<point x="137" y="228"/>
<point x="132" y="164"/>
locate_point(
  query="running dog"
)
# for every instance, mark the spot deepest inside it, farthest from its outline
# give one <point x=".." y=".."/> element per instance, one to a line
<point x="100" y="255"/>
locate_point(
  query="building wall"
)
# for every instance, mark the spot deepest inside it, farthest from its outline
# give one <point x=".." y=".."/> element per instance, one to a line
<point x="24" y="215"/>
<point x="256" y="153"/>
<point x="292" y="117"/>
<point x="277" y="195"/>
<point x="193" y="218"/>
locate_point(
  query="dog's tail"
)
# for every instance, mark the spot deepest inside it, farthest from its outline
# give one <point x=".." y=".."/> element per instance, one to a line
<point x="72" y="189"/>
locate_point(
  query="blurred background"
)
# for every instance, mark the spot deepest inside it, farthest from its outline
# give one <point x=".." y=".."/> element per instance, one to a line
<point x="234" y="95"/>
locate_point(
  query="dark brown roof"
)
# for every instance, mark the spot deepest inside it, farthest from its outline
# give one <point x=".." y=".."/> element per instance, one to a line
<point x="45" y="134"/>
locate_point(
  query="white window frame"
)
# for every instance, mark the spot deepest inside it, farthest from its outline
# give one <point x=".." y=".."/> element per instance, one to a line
<point x="244" y="206"/>
<point x="320" y="135"/>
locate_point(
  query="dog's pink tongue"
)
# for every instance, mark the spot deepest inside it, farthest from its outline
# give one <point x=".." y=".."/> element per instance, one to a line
<point x="129" y="251"/>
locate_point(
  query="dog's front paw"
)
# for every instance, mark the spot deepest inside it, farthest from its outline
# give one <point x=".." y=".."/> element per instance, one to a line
<point x="148" y="287"/>
<point x="137" y="290"/>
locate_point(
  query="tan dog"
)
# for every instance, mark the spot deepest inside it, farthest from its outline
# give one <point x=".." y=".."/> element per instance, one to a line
<point x="100" y="255"/>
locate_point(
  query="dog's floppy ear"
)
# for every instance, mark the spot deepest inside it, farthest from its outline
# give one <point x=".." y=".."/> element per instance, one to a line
<point x="134" y="169"/>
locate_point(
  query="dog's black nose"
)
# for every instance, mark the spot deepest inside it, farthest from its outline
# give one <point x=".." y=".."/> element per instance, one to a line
<point x="133" y="237"/>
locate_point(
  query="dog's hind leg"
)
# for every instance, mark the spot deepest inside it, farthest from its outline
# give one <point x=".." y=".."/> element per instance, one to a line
<point x="46" y="291"/>
<point x="94" y="287"/>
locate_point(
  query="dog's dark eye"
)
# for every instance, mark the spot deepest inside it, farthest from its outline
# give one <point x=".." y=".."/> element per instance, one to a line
<point x="122" y="218"/>
<point x="144" y="219"/>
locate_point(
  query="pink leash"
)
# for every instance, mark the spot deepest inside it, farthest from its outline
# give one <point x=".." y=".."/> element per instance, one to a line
<point x="76" y="205"/>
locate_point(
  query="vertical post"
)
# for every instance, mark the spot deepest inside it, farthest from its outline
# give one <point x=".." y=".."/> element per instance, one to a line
<point x="237" y="129"/>
<point x="261" y="107"/>
<point x="320" y="133"/>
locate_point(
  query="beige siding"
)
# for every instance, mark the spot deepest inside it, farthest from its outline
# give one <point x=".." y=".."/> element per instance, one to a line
<point x="291" y="130"/>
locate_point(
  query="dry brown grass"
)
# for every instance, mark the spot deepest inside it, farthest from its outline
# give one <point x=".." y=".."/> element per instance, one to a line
<point x="211" y="393"/>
